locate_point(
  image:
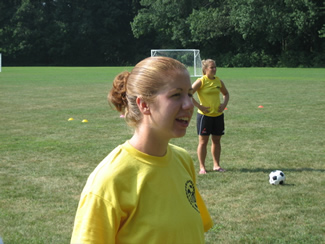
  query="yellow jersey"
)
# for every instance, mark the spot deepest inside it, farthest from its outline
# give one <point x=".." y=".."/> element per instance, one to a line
<point x="132" y="197"/>
<point x="209" y="95"/>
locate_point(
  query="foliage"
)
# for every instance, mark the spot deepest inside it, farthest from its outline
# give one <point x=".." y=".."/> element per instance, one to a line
<point x="100" y="32"/>
<point x="67" y="32"/>
<point x="165" y="19"/>
<point x="240" y="29"/>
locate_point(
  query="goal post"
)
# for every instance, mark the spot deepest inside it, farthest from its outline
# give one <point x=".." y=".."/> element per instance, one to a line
<point x="189" y="57"/>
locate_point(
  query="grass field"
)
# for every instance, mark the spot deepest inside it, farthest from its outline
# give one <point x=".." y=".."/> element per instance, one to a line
<point x="45" y="159"/>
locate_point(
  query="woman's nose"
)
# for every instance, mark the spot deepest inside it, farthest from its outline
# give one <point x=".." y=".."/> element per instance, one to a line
<point x="188" y="103"/>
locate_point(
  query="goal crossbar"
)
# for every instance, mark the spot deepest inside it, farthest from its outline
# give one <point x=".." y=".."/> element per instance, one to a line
<point x="189" y="57"/>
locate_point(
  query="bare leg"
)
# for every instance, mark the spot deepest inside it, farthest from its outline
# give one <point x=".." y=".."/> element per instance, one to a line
<point x="202" y="152"/>
<point x="216" y="151"/>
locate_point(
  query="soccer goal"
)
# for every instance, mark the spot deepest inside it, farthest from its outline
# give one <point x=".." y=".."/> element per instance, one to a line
<point x="190" y="57"/>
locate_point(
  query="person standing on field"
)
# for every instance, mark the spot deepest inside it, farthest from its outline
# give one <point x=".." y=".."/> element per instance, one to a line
<point x="210" y="117"/>
<point x="145" y="190"/>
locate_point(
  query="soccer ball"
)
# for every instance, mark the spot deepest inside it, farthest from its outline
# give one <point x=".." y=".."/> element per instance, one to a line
<point x="277" y="177"/>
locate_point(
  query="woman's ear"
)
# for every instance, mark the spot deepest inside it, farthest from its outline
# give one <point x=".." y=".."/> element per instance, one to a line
<point x="143" y="106"/>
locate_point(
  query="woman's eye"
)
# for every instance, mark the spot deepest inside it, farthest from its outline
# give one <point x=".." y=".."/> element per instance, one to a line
<point x="176" y="95"/>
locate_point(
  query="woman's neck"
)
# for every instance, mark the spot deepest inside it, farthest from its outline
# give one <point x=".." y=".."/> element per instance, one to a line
<point x="148" y="143"/>
<point x="211" y="77"/>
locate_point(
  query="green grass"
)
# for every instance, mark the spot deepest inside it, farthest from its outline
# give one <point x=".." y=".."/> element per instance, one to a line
<point x="45" y="160"/>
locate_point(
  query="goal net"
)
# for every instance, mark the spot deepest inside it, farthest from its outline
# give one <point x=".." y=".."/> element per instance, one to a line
<point x="189" y="57"/>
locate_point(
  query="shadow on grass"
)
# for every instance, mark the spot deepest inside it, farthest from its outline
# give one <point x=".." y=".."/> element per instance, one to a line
<point x="255" y="170"/>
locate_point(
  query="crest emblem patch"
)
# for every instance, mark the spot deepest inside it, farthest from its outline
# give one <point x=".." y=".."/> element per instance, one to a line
<point x="190" y="193"/>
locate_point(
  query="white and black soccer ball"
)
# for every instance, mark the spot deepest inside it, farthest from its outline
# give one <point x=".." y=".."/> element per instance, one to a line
<point x="277" y="177"/>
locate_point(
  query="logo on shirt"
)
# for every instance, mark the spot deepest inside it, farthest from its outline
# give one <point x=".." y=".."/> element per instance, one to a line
<point x="190" y="193"/>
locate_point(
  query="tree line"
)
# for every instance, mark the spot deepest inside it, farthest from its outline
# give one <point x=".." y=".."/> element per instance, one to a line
<point x="236" y="33"/>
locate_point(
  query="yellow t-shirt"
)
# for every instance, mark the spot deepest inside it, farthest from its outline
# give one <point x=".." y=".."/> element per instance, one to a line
<point x="132" y="197"/>
<point x="209" y="95"/>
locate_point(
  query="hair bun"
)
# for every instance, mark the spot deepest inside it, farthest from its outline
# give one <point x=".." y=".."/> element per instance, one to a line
<point x="117" y="95"/>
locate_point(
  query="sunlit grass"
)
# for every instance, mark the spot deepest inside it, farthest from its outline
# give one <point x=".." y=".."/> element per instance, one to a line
<point x="45" y="159"/>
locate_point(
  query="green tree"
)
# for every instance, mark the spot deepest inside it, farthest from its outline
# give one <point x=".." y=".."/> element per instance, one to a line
<point x="64" y="32"/>
<point x="237" y="32"/>
<point x="288" y="28"/>
<point x="211" y="30"/>
<point x="22" y="30"/>
<point x="322" y="30"/>
<point x="166" y="20"/>
<point x="93" y="32"/>
<point x="109" y="32"/>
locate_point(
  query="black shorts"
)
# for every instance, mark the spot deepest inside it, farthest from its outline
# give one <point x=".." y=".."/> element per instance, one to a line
<point x="210" y="125"/>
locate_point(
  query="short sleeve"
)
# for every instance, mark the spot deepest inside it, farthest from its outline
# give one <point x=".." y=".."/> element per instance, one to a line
<point x="206" y="218"/>
<point x="96" y="221"/>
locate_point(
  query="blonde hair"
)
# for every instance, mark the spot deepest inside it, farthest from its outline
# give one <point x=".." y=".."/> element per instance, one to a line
<point x="145" y="80"/>
<point x="205" y="64"/>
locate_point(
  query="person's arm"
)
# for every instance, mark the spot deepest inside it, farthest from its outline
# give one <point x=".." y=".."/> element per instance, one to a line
<point x="225" y="94"/>
<point x="205" y="215"/>
<point x="196" y="85"/>
<point x="96" y="221"/>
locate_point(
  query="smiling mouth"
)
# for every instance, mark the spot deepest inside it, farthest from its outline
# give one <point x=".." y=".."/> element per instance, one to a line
<point x="183" y="120"/>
